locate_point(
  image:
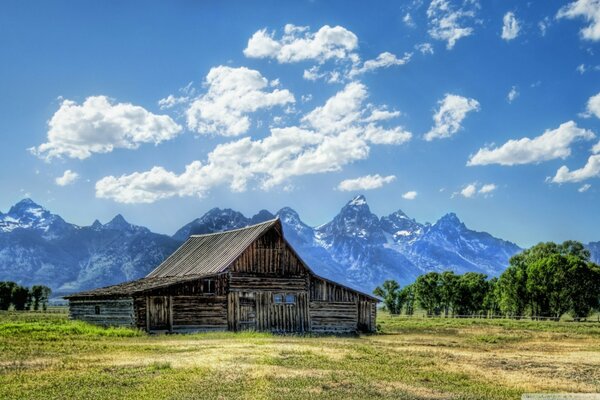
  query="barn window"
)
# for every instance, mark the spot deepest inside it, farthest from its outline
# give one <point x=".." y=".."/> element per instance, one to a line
<point x="290" y="298"/>
<point x="97" y="310"/>
<point x="208" y="286"/>
<point x="277" y="298"/>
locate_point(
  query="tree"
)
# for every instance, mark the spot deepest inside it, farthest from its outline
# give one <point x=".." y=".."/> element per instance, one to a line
<point x="407" y="298"/>
<point x="389" y="293"/>
<point x="491" y="301"/>
<point x="20" y="297"/>
<point x="427" y="289"/>
<point x="6" y="289"/>
<point x="583" y="285"/>
<point x="448" y="291"/>
<point x="40" y="295"/>
<point x="472" y="289"/>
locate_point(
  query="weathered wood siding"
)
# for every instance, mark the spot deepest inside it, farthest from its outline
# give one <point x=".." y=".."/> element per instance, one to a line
<point x="345" y="305"/>
<point x="200" y="312"/>
<point x="112" y="312"/>
<point x="256" y="310"/>
<point x="333" y="316"/>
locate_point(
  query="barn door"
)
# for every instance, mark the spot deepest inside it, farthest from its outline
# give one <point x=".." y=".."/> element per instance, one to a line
<point x="247" y="321"/>
<point x="158" y="313"/>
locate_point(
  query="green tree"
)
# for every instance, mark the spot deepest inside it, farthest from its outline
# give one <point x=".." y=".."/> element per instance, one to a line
<point x="20" y="297"/>
<point x="491" y="301"/>
<point x="40" y="295"/>
<point x="427" y="290"/>
<point x="389" y="292"/>
<point x="583" y="285"/>
<point x="472" y="289"/>
<point x="407" y="298"/>
<point x="448" y="291"/>
<point x="6" y="289"/>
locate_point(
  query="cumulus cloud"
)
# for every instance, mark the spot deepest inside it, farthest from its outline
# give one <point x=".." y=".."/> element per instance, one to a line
<point x="487" y="188"/>
<point x="299" y="44"/>
<point x="367" y="182"/>
<point x="67" y="178"/>
<point x="411" y="195"/>
<point x="384" y="60"/>
<point x="469" y="191"/>
<point x="593" y="106"/>
<point x="473" y="189"/>
<point x="543" y="25"/>
<point x="510" y="27"/>
<point x="589" y="10"/>
<point x="99" y="126"/>
<point x="450" y="23"/>
<point x="453" y="109"/>
<point x="327" y="138"/>
<point x="336" y="44"/>
<point x="590" y="170"/>
<point x="512" y="94"/>
<point x="232" y="94"/>
<point x="552" y="144"/>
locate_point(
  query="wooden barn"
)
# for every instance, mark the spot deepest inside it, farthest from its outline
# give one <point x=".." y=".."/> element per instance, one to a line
<point x="243" y="279"/>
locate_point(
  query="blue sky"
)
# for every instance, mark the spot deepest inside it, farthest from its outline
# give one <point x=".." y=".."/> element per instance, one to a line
<point x="306" y="104"/>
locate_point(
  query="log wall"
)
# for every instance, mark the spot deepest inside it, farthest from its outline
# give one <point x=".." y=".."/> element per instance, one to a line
<point x="336" y="317"/>
<point x="113" y="312"/>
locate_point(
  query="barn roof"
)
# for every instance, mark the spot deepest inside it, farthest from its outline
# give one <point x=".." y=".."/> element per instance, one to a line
<point x="211" y="253"/>
<point x="132" y="287"/>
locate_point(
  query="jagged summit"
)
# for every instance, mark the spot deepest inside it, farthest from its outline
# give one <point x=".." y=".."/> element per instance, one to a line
<point x="358" y="200"/>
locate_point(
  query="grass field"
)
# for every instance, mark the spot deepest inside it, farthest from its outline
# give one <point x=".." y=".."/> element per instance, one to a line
<point x="45" y="356"/>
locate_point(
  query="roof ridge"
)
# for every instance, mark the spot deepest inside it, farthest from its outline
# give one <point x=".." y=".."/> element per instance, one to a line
<point x="238" y="229"/>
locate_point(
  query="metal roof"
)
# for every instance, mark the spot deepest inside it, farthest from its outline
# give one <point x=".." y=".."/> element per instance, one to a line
<point x="211" y="253"/>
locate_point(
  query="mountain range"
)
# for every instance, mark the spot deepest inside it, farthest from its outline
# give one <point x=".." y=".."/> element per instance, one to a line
<point x="356" y="247"/>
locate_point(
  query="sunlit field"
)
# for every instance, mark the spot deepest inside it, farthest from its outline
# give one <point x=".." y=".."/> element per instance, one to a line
<point x="46" y="356"/>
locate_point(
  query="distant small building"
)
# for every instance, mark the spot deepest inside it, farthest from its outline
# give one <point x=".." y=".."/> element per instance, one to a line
<point x="243" y="279"/>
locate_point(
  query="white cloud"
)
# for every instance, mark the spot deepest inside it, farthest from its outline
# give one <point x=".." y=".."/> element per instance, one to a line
<point x="584" y="188"/>
<point x="593" y="106"/>
<point x="367" y="182"/>
<point x="589" y="10"/>
<point x="99" y="126"/>
<point x="448" y="118"/>
<point x="552" y="144"/>
<point x="510" y="27"/>
<point x="512" y="94"/>
<point x="411" y="195"/>
<point x="590" y="170"/>
<point x="171" y="101"/>
<point x="424" y="48"/>
<point x="488" y="188"/>
<point x="544" y="25"/>
<point x="384" y="60"/>
<point x="473" y="189"/>
<point x="232" y="94"/>
<point x="67" y="178"/>
<point x="328" y="138"/>
<point x="382" y="115"/>
<point x="408" y="20"/>
<point x="448" y="23"/>
<point x="581" y="69"/>
<point x="469" y="191"/>
<point x="299" y="44"/>
<point x="596" y="148"/>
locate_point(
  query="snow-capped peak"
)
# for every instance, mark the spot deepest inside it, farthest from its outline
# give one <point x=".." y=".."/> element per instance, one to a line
<point x="359" y="200"/>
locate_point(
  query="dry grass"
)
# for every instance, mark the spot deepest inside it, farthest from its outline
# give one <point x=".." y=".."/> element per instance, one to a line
<point x="47" y="357"/>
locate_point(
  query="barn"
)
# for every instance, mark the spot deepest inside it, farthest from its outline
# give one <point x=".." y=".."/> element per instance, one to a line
<point x="243" y="279"/>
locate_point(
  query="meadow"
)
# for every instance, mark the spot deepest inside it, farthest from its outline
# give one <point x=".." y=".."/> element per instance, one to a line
<point x="47" y="356"/>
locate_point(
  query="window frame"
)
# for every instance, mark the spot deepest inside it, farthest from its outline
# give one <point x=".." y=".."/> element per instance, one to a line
<point x="96" y="310"/>
<point x="278" y="298"/>
<point x="209" y="286"/>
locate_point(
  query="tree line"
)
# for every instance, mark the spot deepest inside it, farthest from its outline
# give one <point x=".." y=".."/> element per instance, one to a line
<point x="547" y="280"/>
<point x="23" y="298"/>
